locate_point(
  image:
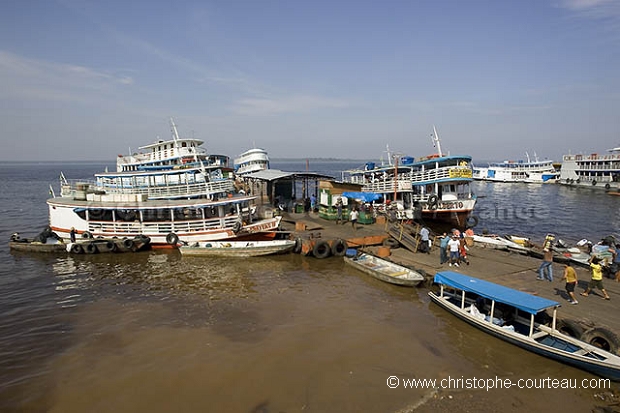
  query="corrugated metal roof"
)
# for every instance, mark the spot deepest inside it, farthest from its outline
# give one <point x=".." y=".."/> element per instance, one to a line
<point x="275" y="174"/>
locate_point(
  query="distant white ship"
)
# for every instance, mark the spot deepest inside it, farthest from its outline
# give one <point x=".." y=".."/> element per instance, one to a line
<point x="530" y="171"/>
<point x="252" y="160"/>
<point x="594" y="170"/>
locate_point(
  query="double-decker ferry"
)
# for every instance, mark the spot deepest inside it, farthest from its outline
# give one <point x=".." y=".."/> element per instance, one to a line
<point x="599" y="171"/>
<point x="174" y="193"/>
<point x="436" y="187"/>
<point x="252" y="160"/>
<point x="528" y="171"/>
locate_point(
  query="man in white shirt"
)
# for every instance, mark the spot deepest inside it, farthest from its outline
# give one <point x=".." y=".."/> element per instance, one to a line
<point x="453" y="247"/>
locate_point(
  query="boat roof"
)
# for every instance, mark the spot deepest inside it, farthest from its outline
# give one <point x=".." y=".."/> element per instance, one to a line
<point x="159" y="142"/>
<point x="523" y="301"/>
<point x="275" y="174"/>
<point x="441" y="159"/>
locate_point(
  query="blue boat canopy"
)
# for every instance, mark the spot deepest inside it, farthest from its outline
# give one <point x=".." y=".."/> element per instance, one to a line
<point x="364" y="196"/>
<point x="523" y="301"/>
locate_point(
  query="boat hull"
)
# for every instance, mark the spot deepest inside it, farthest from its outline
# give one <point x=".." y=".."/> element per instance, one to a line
<point x="238" y="248"/>
<point x="384" y="270"/>
<point x="593" y="366"/>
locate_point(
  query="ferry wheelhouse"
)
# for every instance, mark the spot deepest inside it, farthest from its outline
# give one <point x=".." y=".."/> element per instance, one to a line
<point x="164" y="198"/>
<point x="252" y="160"/>
<point x="600" y="171"/>
<point x="529" y="171"/>
<point x="436" y="187"/>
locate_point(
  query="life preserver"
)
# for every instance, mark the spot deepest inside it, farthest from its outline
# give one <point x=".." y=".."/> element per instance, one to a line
<point x="607" y="186"/>
<point x="237" y="227"/>
<point x="87" y="234"/>
<point x="594" y="182"/>
<point x="339" y="247"/>
<point x="172" y="238"/>
<point x="471" y="221"/>
<point x="602" y="338"/>
<point x="77" y="249"/>
<point x="321" y="249"/>
<point x="90" y="248"/>
<point x="570" y="328"/>
<point x="297" y="247"/>
<point x="433" y="200"/>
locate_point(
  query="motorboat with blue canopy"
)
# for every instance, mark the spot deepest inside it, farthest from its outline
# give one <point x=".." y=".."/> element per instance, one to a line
<point x="519" y="318"/>
<point x="523" y="301"/>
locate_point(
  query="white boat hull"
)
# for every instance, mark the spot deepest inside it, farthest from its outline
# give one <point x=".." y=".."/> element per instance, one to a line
<point x="238" y="248"/>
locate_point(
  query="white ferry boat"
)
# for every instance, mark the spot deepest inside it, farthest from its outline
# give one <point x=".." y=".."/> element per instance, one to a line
<point x="176" y="194"/>
<point x="600" y="171"/>
<point x="252" y="160"/>
<point x="529" y="171"/>
<point x="435" y="187"/>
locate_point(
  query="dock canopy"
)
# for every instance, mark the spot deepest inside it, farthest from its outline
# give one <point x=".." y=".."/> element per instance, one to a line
<point x="523" y="301"/>
<point x="363" y="196"/>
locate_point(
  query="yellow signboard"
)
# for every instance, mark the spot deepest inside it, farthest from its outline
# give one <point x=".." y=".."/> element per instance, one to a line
<point x="460" y="173"/>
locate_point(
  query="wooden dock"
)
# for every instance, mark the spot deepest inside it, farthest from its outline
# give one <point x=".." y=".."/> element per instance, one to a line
<point x="502" y="267"/>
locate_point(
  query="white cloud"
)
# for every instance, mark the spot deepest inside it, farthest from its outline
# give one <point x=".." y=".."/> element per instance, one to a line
<point x="595" y="9"/>
<point x="39" y="79"/>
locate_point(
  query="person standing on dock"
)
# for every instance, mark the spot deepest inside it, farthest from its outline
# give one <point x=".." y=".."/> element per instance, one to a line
<point x="424" y="247"/>
<point x="443" y="248"/>
<point x="338" y="210"/>
<point x="545" y="271"/>
<point x="597" y="279"/>
<point x="453" y="246"/>
<point x="571" y="282"/>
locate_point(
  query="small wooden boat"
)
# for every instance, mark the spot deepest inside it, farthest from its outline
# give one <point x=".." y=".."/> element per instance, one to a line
<point x="385" y="270"/>
<point x="29" y="245"/>
<point x="510" y="315"/>
<point x="502" y="243"/>
<point x="238" y="248"/>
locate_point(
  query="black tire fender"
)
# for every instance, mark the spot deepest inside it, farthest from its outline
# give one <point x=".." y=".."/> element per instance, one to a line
<point x="570" y="328"/>
<point x="602" y="338"/>
<point x="339" y="247"/>
<point x="172" y="238"/>
<point x="237" y="227"/>
<point x="87" y="235"/>
<point x="433" y="200"/>
<point x="128" y="243"/>
<point x="391" y="242"/>
<point x="594" y="182"/>
<point x="90" y="248"/>
<point x="297" y="247"/>
<point x="472" y="221"/>
<point x="607" y="186"/>
<point x="321" y="249"/>
<point x="77" y="249"/>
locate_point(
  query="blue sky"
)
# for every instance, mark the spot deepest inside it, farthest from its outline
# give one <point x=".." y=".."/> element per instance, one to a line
<point x="87" y="80"/>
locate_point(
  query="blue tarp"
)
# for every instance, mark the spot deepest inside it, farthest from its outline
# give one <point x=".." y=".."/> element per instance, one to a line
<point x="523" y="301"/>
<point x="364" y="196"/>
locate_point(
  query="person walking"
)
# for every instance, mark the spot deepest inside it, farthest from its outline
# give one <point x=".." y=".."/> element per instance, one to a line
<point x="545" y="271"/>
<point x="353" y="216"/>
<point x="571" y="282"/>
<point x="597" y="279"/>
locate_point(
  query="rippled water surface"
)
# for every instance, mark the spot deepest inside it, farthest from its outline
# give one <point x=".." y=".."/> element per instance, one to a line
<point x="153" y="332"/>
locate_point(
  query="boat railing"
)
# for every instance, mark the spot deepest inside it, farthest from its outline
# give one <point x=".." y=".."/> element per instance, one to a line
<point x="182" y="190"/>
<point x="446" y="172"/>
<point x="177" y="191"/>
<point x="388" y="185"/>
<point x="117" y="228"/>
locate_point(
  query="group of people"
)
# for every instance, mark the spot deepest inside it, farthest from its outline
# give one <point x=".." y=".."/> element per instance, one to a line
<point x="456" y="246"/>
<point x="545" y="271"/>
<point x="353" y="215"/>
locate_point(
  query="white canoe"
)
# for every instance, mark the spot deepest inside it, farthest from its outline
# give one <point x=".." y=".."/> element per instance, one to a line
<point x="238" y="248"/>
<point x="385" y="270"/>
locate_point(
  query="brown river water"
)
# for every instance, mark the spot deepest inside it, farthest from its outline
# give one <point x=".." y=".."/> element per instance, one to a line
<point x="154" y="332"/>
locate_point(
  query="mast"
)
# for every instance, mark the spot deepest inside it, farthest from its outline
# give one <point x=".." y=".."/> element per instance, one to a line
<point x="436" y="141"/>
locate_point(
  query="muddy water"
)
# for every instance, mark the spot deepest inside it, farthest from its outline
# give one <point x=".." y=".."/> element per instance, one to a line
<point x="154" y="332"/>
